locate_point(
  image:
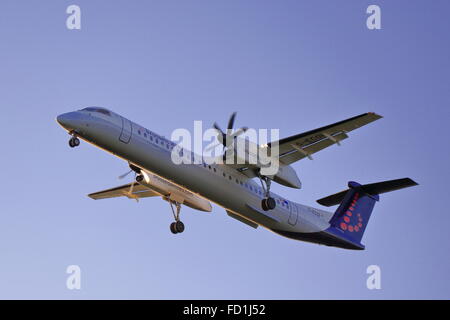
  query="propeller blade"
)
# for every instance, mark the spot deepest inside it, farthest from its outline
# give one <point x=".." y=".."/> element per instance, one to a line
<point x="125" y="174"/>
<point x="231" y="121"/>
<point x="216" y="126"/>
<point x="239" y="132"/>
<point x="221" y="136"/>
<point x="131" y="188"/>
<point x="227" y="139"/>
<point x="131" y="195"/>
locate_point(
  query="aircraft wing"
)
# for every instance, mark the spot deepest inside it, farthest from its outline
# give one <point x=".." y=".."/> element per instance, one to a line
<point x="138" y="191"/>
<point x="305" y="144"/>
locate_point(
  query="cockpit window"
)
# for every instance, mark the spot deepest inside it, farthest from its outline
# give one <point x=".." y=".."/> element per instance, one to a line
<point x="96" y="109"/>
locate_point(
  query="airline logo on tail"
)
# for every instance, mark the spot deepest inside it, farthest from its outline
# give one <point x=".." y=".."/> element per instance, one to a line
<point x="352" y="224"/>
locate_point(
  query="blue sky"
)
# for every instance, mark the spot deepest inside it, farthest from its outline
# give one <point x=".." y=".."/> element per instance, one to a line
<point x="292" y="65"/>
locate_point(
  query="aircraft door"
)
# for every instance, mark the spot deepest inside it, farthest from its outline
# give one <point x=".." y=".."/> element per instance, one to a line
<point x="293" y="216"/>
<point x="125" y="135"/>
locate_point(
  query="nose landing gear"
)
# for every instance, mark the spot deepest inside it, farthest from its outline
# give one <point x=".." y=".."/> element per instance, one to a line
<point x="74" y="141"/>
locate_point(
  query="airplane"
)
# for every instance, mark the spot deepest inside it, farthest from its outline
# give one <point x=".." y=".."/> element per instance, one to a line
<point x="233" y="187"/>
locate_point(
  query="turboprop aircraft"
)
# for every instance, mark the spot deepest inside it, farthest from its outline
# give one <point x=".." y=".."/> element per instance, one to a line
<point x="233" y="186"/>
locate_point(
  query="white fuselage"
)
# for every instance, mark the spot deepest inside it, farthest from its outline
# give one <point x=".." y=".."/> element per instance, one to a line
<point x="217" y="183"/>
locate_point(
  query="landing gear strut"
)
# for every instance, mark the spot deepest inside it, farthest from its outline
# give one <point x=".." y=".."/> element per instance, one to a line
<point x="177" y="226"/>
<point x="74" y="141"/>
<point x="268" y="203"/>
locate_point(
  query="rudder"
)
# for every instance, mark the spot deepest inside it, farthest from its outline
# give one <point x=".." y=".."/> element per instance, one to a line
<point x="353" y="214"/>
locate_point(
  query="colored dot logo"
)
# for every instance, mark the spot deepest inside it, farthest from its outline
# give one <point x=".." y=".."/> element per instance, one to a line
<point x="347" y="223"/>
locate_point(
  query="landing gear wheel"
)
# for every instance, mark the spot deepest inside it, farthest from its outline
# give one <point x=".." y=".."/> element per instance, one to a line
<point x="179" y="226"/>
<point x="264" y="205"/>
<point x="268" y="204"/>
<point x="271" y="204"/>
<point x="74" y="142"/>
<point x="173" y="228"/>
<point x="139" y="178"/>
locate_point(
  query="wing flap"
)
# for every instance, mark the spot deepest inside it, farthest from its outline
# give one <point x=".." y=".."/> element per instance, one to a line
<point x="242" y="219"/>
<point x="299" y="153"/>
<point x="138" y="191"/>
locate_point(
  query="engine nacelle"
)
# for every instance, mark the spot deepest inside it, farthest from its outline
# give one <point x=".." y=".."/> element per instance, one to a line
<point x="288" y="177"/>
<point x="170" y="191"/>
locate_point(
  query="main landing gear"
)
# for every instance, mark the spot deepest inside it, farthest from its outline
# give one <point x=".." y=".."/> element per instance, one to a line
<point x="177" y="226"/>
<point x="74" y="141"/>
<point x="268" y="203"/>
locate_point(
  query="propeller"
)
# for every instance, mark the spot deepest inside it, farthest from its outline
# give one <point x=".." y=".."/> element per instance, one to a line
<point x="227" y="139"/>
<point x="130" y="192"/>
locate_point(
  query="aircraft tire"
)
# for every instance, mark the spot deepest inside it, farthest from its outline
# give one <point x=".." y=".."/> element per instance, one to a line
<point x="179" y="226"/>
<point x="270" y="203"/>
<point x="173" y="228"/>
<point x="264" y="204"/>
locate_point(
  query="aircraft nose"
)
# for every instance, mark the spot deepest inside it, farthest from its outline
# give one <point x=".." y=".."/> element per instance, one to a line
<point x="67" y="120"/>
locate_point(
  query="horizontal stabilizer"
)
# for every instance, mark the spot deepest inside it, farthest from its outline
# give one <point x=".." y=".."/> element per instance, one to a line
<point x="372" y="189"/>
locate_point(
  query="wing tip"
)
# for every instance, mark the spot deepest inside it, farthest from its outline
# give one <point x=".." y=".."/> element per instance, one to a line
<point x="411" y="182"/>
<point x="92" y="196"/>
<point x="376" y="115"/>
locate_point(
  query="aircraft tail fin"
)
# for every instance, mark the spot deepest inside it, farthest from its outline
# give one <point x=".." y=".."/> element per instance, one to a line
<point x="355" y="207"/>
